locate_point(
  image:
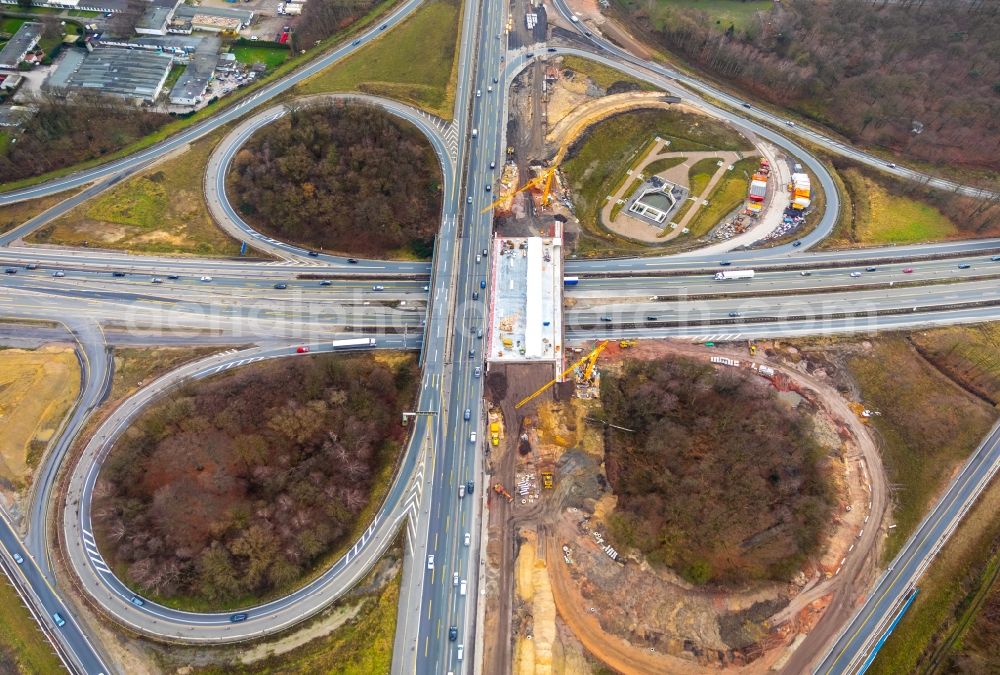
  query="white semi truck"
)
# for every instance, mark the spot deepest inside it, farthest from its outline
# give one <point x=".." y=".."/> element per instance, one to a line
<point x="733" y="274"/>
<point x="353" y="343"/>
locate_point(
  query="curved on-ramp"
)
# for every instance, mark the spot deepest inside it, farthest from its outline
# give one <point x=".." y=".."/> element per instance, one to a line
<point x="229" y="220"/>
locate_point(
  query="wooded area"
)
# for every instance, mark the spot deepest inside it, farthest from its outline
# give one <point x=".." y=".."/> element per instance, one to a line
<point x="322" y="18"/>
<point x="720" y="480"/>
<point x="871" y="69"/>
<point x="349" y="178"/>
<point x="64" y="133"/>
<point x="241" y="484"/>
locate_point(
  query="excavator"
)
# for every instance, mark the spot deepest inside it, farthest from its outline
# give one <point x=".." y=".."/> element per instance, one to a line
<point x="590" y="359"/>
<point x="500" y="490"/>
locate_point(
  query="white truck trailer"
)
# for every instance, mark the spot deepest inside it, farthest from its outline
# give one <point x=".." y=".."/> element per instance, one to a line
<point x="733" y="274"/>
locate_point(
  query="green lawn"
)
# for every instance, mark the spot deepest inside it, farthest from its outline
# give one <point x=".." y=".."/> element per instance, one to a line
<point x="160" y="211"/>
<point x="4" y="140"/>
<point x="415" y="63"/>
<point x="900" y="220"/>
<point x="175" y="74"/>
<point x="10" y="24"/>
<point x="725" y="13"/>
<point x="728" y="194"/>
<point x="661" y="165"/>
<point x="701" y="173"/>
<point x="602" y="75"/>
<point x="928" y="427"/>
<point x="22" y="644"/>
<point x="272" y="57"/>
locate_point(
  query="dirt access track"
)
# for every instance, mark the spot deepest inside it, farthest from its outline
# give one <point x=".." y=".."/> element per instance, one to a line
<point x="823" y="598"/>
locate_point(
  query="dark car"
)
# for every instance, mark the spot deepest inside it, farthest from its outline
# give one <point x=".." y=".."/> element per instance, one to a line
<point x="964" y="266"/>
<point x="470" y="486"/>
<point x="31" y="266"/>
<point x="551" y="49"/>
<point x="871" y="269"/>
<point x="746" y="105"/>
<point x="725" y="263"/>
<point x="475" y="295"/>
<point x="10" y="270"/>
<point x="353" y="261"/>
<point x="606" y="318"/>
<point x="281" y="287"/>
<point x="530" y="55"/>
<point x="326" y="282"/>
<point x="236" y="618"/>
<point x="117" y="274"/>
<point x="356" y="43"/>
<point x="453" y="633"/>
<point x="173" y="276"/>
<point x="735" y="315"/>
<point x="482" y="283"/>
<point x="797" y="243"/>
<point x="651" y="318"/>
<point x="472" y="353"/>
<point x="383" y="26"/>
<point x="313" y="254"/>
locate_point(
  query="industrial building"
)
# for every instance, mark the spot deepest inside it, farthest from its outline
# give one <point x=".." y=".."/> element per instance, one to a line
<point x="24" y="40"/>
<point x="526" y="299"/>
<point x="190" y="87"/>
<point x="114" y="71"/>
<point x="213" y="19"/>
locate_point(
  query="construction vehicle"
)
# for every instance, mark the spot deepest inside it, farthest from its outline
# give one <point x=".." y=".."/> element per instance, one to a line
<point x="500" y="490"/>
<point x="626" y="344"/>
<point x="547" y="481"/>
<point x="543" y="180"/>
<point x="592" y="357"/>
<point x="495" y="433"/>
<point x="588" y="371"/>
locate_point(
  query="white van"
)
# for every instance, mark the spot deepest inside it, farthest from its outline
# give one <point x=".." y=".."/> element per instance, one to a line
<point x="472" y="437"/>
<point x="462" y="587"/>
<point x="461" y="652"/>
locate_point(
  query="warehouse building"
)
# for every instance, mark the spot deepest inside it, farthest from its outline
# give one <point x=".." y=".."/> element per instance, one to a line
<point x="190" y="88"/>
<point x="128" y="73"/>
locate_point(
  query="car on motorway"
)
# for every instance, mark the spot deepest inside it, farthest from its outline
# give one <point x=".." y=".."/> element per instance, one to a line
<point x="651" y="318"/>
<point x="485" y="253"/>
<point x="378" y="287"/>
<point x="383" y="26"/>
<point x="60" y="273"/>
<point x="496" y="80"/>
<point x="805" y="274"/>
<point x="472" y="353"/>
<point x="470" y="487"/>
<point x="482" y="283"/>
<point x="461" y="493"/>
<point x="489" y="89"/>
<point x="238" y="617"/>
<point x="493" y="165"/>
<point x="746" y="105"/>
<point x="907" y="270"/>
<point x="606" y="318"/>
<point x="964" y="266"/>
<point x="313" y="254"/>
<point x="468" y="538"/>
<point x="790" y="123"/>
<point x="137" y="601"/>
<point x="478" y="372"/>
<point x="10" y="270"/>
<point x="855" y="274"/>
<point x="489" y="187"/>
<point x="206" y="278"/>
<point x="57" y="617"/>
<point x="472" y="437"/>
<point x="871" y="269"/>
<point x="156" y="280"/>
<point x="173" y="276"/>
<point x="475" y="295"/>
<point x="281" y="286"/>
<point x="735" y="315"/>
<point x="469" y="199"/>
<point x="461" y="649"/>
<point x="551" y="49"/>
<point x="18" y="558"/>
<point x="453" y="633"/>
<point x="326" y="282"/>
<point x="995" y="258"/>
<point x="796" y="243"/>
<point x="530" y="55"/>
<point x="891" y="165"/>
<point x="725" y="263"/>
<point x="588" y="33"/>
<point x="479" y="333"/>
<point x="430" y="562"/>
<point x="302" y="350"/>
<point x="118" y="274"/>
<point x="468" y="413"/>
<point x="31" y="266"/>
<point x="352" y="261"/>
<point x="356" y="43"/>
<point x="462" y="587"/>
<point x="479" y="92"/>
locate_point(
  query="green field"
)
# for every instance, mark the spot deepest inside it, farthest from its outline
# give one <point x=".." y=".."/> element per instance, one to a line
<point x="416" y="63"/>
<point x="160" y="211"/>
<point x="10" y="25"/>
<point x="727" y="196"/>
<point x="900" y="220"/>
<point x="272" y="57"/>
<point x="929" y="426"/>
<point x="701" y="173"/>
<point x="725" y="13"/>
<point x="24" y="650"/>
<point x="661" y="165"/>
<point x="601" y="75"/>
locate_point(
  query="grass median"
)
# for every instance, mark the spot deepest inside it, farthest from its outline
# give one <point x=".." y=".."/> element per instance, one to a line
<point x="23" y="647"/>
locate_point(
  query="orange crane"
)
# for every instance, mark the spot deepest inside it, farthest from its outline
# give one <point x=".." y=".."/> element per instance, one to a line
<point x="543" y="180"/>
<point x="591" y="358"/>
<point x="500" y="490"/>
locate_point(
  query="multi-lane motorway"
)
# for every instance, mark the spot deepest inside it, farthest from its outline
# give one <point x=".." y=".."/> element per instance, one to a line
<point x="416" y="305"/>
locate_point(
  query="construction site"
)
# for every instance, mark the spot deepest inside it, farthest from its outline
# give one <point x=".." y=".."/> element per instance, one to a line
<point x="555" y="578"/>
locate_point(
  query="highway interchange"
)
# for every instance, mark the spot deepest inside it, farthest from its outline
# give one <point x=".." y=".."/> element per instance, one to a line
<point x="240" y="304"/>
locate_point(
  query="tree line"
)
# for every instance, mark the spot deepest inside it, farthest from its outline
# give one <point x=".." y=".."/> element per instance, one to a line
<point x="719" y="479"/>
<point x="345" y="177"/>
<point x="238" y="485"/>
<point x="874" y="71"/>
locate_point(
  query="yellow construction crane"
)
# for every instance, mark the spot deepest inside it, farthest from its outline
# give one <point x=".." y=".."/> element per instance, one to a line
<point x="588" y="371"/>
<point x="543" y="180"/>
<point x="534" y="182"/>
<point x="591" y="357"/>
